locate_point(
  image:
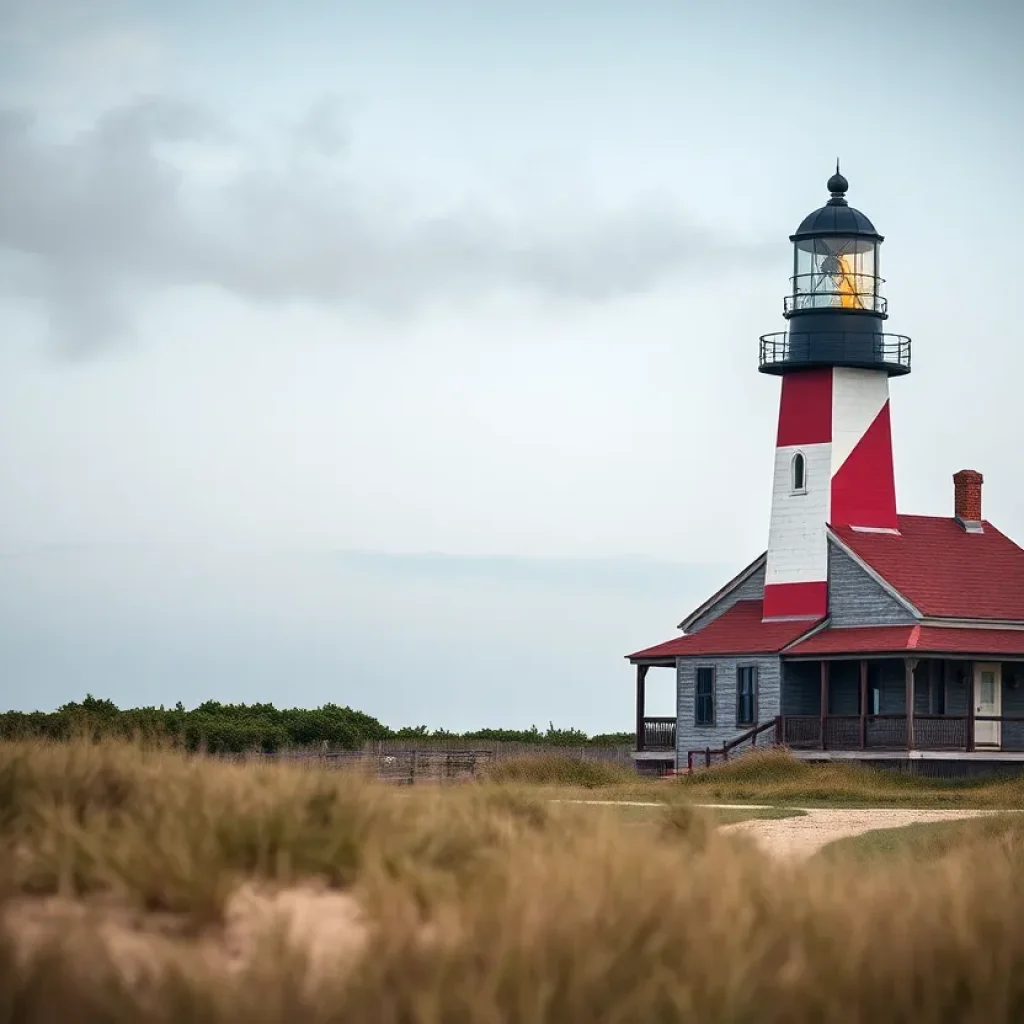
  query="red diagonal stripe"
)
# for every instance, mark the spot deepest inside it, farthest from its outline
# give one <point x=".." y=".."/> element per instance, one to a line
<point x="863" y="491"/>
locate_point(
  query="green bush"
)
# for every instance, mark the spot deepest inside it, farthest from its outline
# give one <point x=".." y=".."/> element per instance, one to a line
<point x="239" y="728"/>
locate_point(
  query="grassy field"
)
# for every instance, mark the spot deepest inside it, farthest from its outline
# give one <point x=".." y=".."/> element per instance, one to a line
<point x="645" y="814"/>
<point x="927" y="842"/>
<point x="768" y="777"/>
<point x="141" y="885"/>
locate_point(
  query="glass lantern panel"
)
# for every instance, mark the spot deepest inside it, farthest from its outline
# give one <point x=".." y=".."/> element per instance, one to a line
<point x="836" y="273"/>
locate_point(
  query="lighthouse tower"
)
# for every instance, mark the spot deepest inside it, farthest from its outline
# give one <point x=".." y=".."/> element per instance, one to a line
<point x="833" y="454"/>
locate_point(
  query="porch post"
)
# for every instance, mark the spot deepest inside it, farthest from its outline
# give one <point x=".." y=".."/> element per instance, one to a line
<point x="909" y="664"/>
<point x="824" y="699"/>
<point x="641" y="679"/>
<point x="863" y="703"/>
<point x="969" y="697"/>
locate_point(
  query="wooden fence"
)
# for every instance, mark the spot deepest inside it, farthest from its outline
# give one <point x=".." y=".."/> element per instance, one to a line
<point x="406" y="762"/>
<point x="502" y="750"/>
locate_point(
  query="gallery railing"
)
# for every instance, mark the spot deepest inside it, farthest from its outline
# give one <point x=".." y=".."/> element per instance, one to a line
<point x="784" y="349"/>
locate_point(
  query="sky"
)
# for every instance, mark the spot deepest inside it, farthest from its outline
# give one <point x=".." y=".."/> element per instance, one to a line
<point x="404" y="355"/>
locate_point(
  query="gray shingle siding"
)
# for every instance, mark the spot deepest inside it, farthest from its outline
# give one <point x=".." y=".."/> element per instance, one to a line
<point x="751" y="589"/>
<point x="855" y="599"/>
<point x="689" y="735"/>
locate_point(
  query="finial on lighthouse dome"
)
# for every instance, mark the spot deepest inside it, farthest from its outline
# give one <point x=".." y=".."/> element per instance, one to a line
<point x="838" y="186"/>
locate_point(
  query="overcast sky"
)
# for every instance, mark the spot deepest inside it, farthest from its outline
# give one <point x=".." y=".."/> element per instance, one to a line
<point x="404" y="354"/>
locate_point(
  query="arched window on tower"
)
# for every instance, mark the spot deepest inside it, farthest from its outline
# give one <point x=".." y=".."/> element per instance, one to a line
<point x="798" y="476"/>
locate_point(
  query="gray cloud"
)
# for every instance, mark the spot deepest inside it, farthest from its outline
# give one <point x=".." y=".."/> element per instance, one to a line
<point x="142" y="200"/>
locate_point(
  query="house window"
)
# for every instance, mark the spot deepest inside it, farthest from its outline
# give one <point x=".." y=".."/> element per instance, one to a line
<point x="705" y="696"/>
<point x="798" y="474"/>
<point x="746" y="695"/>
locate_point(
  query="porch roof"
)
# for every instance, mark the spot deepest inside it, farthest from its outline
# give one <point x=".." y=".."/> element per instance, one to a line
<point x="736" y="631"/>
<point x="902" y="639"/>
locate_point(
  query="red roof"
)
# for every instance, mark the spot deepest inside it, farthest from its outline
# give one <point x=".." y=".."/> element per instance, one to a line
<point x="737" y="631"/>
<point x="943" y="570"/>
<point x="925" y="639"/>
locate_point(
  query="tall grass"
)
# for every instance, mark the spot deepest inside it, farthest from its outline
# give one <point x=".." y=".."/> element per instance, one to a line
<point x="771" y="776"/>
<point x="775" y="776"/>
<point x="927" y="841"/>
<point x="549" y="770"/>
<point x="144" y="886"/>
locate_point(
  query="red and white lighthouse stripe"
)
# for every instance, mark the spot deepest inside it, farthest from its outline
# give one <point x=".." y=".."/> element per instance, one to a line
<point x="834" y="422"/>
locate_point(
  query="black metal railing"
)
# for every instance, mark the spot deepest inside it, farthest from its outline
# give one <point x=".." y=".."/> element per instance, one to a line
<point x="865" y="348"/>
<point x="659" y="734"/>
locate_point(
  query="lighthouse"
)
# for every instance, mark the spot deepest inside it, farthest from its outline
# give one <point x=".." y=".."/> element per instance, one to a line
<point x="887" y="637"/>
<point x="833" y="447"/>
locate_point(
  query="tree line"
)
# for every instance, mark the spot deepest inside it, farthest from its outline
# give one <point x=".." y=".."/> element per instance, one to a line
<point x="236" y="728"/>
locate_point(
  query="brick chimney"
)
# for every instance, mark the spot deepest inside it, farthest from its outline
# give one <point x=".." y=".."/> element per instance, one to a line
<point x="967" y="499"/>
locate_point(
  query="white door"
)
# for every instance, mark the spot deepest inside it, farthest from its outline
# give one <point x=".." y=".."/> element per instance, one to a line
<point x="988" y="700"/>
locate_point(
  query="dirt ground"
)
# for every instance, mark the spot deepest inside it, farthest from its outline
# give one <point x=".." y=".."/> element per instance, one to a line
<point x="803" y="836"/>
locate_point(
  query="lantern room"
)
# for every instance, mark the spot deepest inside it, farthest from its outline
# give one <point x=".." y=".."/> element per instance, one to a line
<point x="835" y="306"/>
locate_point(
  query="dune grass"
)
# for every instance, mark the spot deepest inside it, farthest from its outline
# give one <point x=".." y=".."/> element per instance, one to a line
<point x="140" y="885"/>
<point x="771" y="776"/>
<point x="775" y="776"/>
<point x="569" y="772"/>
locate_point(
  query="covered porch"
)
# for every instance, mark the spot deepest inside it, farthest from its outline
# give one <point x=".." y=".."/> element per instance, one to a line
<point x="850" y="704"/>
<point x="655" y="735"/>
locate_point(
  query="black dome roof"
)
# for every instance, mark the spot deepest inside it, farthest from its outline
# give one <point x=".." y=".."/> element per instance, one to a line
<point x="836" y="217"/>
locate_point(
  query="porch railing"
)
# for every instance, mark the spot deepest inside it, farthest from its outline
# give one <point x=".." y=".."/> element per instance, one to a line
<point x="800" y="731"/>
<point x="882" y="732"/>
<point x="940" y="732"/>
<point x="886" y="731"/>
<point x="712" y="755"/>
<point x="848" y="732"/>
<point x="659" y="734"/>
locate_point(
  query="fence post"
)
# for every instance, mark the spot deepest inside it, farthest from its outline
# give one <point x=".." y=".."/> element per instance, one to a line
<point x="412" y="769"/>
<point x="707" y="757"/>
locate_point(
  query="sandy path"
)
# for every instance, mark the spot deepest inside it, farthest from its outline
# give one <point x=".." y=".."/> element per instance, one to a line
<point x="803" y="836"/>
